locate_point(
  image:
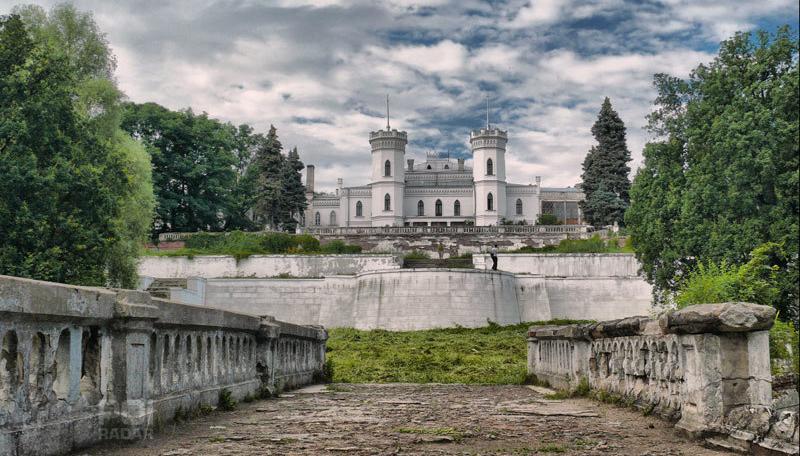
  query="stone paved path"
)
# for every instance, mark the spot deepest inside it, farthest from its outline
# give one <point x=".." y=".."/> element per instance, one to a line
<point x="417" y="420"/>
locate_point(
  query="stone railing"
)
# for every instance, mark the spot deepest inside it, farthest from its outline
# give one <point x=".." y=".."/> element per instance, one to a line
<point x="80" y="364"/>
<point x="446" y="230"/>
<point x="706" y="366"/>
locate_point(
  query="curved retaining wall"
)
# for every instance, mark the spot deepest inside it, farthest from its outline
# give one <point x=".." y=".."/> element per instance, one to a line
<point x="564" y="264"/>
<point x="408" y="299"/>
<point x="214" y="266"/>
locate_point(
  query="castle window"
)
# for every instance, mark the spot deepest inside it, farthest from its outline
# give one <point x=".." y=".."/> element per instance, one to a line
<point x="387" y="168"/>
<point x="317" y="219"/>
<point x="420" y="208"/>
<point x="519" y="207"/>
<point x="489" y="167"/>
<point x="438" y="208"/>
<point x="359" y="209"/>
<point x="457" y="208"/>
<point x="429" y="166"/>
<point x="489" y="202"/>
<point x="446" y="166"/>
<point x="387" y="203"/>
<point x="333" y="218"/>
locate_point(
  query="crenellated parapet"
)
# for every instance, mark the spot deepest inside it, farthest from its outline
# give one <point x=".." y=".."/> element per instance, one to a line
<point x="82" y="364"/>
<point x="706" y="367"/>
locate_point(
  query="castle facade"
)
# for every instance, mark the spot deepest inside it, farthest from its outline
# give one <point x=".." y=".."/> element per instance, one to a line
<point x="439" y="191"/>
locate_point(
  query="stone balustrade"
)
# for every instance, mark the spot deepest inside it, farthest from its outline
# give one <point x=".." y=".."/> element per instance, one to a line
<point x="706" y="366"/>
<point x="79" y="364"/>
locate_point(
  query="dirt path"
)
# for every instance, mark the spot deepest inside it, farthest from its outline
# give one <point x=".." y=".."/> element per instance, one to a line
<point x="417" y="420"/>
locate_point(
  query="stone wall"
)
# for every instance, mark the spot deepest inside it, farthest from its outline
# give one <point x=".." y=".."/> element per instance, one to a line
<point x="407" y="299"/>
<point x="80" y="365"/>
<point x="706" y="366"/>
<point x="214" y="266"/>
<point x="564" y="264"/>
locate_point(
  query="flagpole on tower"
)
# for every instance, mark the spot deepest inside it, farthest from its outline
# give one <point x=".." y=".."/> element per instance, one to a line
<point x="487" y="112"/>
<point x="387" y="112"/>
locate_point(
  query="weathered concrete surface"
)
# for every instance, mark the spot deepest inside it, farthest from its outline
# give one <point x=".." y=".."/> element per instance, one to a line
<point x="564" y="264"/>
<point x="707" y="367"/>
<point x="79" y="365"/>
<point x="460" y="419"/>
<point x="215" y="266"/>
<point x="407" y="299"/>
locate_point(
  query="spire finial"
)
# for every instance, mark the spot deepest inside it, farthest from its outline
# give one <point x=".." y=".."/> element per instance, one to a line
<point x="487" y="112"/>
<point x="387" y="112"/>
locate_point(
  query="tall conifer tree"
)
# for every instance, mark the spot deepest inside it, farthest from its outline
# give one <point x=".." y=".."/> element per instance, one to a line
<point x="293" y="200"/>
<point x="605" y="170"/>
<point x="266" y="169"/>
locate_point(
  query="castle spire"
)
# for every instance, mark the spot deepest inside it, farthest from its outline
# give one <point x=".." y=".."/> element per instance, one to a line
<point x="387" y="112"/>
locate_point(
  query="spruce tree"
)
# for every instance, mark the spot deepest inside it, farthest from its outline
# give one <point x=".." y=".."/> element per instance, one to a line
<point x="293" y="201"/>
<point x="266" y="170"/>
<point x="605" y="170"/>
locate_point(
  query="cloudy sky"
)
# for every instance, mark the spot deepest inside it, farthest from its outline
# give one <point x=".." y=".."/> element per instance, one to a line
<point x="319" y="70"/>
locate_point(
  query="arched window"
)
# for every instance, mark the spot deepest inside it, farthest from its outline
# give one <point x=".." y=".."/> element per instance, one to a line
<point x="317" y="219"/>
<point x="387" y="203"/>
<point x="387" y="168"/>
<point x="489" y="202"/>
<point x="489" y="167"/>
<point x="457" y="208"/>
<point x="420" y="208"/>
<point x="446" y="166"/>
<point x="438" y="208"/>
<point x="359" y="209"/>
<point x="519" y="207"/>
<point x="333" y="218"/>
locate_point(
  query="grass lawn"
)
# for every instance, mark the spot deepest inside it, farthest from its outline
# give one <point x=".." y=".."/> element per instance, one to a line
<point x="489" y="355"/>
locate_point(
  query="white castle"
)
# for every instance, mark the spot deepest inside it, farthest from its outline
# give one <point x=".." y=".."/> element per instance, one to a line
<point x="439" y="191"/>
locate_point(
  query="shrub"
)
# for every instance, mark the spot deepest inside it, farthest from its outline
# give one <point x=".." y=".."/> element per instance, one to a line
<point x="547" y="219"/>
<point x="416" y="255"/>
<point x="226" y="400"/>
<point x="783" y="348"/>
<point x="339" y="247"/>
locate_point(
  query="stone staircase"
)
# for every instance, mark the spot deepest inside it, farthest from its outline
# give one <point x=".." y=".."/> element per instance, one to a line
<point x="160" y="287"/>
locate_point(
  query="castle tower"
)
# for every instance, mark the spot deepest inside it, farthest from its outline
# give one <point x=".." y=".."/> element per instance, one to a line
<point x="489" y="173"/>
<point x="388" y="175"/>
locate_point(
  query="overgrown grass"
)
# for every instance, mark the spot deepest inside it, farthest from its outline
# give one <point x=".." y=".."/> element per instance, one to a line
<point x="492" y="354"/>
<point x="595" y="244"/>
<point x="240" y="244"/>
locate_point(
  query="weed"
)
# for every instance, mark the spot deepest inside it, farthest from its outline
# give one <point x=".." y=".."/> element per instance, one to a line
<point x="216" y="439"/>
<point x="226" y="400"/>
<point x="552" y="448"/>
<point x="248" y="398"/>
<point x="180" y="415"/>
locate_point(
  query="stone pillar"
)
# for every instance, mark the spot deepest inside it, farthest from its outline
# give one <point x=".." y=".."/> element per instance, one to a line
<point x="134" y="314"/>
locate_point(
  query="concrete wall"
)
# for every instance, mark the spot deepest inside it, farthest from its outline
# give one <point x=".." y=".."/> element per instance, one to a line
<point x="213" y="266"/>
<point x="80" y="364"/>
<point x="564" y="264"/>
<point x="408" y="299"/>
<point x="706" y="366"/>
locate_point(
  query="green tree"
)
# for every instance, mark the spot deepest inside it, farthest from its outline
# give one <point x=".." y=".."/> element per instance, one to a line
<point x="722" y="178"/>
<point x="293" y="201"/>
<point x="239" y="216"/>
<point x="61" y="184"/>
<point x="266" y="172"/>
<point x="194" y="165"/>
<point x="605" y="170"/>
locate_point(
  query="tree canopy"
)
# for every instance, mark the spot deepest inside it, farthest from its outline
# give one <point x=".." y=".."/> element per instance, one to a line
<point x="605" y="170"/>
<point x="74" y="189"/>
<point x="722" y="176"/>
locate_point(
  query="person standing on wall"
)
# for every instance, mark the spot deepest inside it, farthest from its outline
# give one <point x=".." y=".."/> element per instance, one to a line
<point x="493" y="254"/>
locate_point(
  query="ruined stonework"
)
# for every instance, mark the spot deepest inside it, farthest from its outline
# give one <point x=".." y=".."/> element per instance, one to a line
<point x="80" y="364"/>
<point x="706" y="367"/>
